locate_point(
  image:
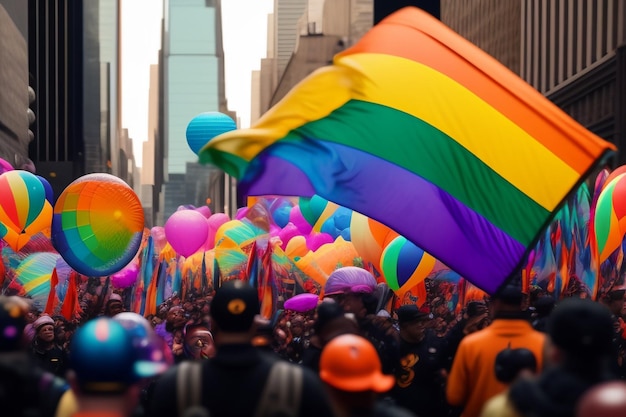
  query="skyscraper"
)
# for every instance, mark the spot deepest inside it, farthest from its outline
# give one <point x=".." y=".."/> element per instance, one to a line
<point x="193" y="83"/>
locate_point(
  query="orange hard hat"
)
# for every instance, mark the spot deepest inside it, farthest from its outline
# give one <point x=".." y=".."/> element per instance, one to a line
<point x="351" y="363"/>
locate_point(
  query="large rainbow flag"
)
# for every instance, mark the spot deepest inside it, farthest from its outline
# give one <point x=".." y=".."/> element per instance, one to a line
<point x="424" y="132"/>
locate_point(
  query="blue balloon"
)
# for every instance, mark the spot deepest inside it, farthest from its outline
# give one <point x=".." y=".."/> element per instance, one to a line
<point x="281" y="215"/>
<point x="345" y="234"/>
<point x="48" y="189"/>
<point x="342" y="217"/>
<point x="329" y="227"/>
<point x="205" y="127"/>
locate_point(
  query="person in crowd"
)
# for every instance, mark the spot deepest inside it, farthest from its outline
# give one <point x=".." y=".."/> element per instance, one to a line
<point x="114" y="305"/>
<point x="615" y="301"/>
<point x="25" y="389"/>
<point x="238" y="368"/>
<point x="351" y="369"/>
<point x="198" y="342"/>
<point x="474" y="317"/>
<point x="578" y="355"/>
<point x="61" y="332"/>
<point x="472" y="381"/>
<point x="331" y="321"/>
<point x="419" y="383"/>
<point x="109" y="360"/>
<point x="31" y="316"/>
<point x="354" y="289"/>
<point x="171" y="330"/>
<point x="511" y="364"/>
<point x="543" y="306"/>
<point x="45" y="351"/>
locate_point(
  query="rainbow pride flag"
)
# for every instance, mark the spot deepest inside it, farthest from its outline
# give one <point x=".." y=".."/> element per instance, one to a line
<point x="422" y="131"/>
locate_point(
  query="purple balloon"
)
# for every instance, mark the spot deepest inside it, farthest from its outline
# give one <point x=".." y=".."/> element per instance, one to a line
<point x="302" y="302"/>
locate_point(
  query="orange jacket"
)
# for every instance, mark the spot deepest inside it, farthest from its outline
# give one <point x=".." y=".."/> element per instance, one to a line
<point x="472" y="380"/>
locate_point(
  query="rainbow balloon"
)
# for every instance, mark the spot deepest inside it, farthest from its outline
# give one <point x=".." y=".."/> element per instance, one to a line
<point x="610" y="216"/>
<point x="404" y="265"/>
<point x="98" y="224"/>
<point x="24" y="210"/>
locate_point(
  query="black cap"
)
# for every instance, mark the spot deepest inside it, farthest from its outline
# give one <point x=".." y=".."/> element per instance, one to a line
<point x="581" y="327"/>
<point x="234" y="306"/>
<point x="511" y="293"/>
<point x="411" y="312"/>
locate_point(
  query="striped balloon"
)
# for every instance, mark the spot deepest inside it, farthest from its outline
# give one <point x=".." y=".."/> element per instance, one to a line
<point x="610" y="216"/>
<point x="404" y="265"/>
<point x="22" y="199"/>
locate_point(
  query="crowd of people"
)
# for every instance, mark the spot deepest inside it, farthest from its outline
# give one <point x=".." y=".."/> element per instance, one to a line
<point x="512" y="354"/>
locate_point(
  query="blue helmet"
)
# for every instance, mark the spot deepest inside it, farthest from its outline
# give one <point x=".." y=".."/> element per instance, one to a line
<point x="150" y="349"/>
<point x="103" y="356"/>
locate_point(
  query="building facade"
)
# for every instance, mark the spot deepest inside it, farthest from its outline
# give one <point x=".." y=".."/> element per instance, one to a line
<point x="14" y="101"/>
<point x="192" y="68"/>
<point x="573" y="52"/>
<point x="74" y="65"/>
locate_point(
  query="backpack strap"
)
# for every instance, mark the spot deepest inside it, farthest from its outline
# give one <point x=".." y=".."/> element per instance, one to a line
<point x="282" y="392"/>
<point x="188" y="385"/>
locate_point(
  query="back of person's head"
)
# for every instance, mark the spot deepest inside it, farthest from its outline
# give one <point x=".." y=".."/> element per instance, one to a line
<point x="105" y="359"/>
<point x="234" y="307"/>
<point x="582" y="330"/>
<point x="152" y="355"/>
<point x="350" y="363"/>
<point x="332" y="321"/>
<point x="510" y="295"/>
<point x="544" y="306"/>
<point x="13" y="310"/>
<point x="606" y="399"/>
<point x="510" y="363"/>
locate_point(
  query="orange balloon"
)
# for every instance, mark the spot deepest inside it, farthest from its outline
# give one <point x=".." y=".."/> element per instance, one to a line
<point x="319" y="264"/>
<point x="296" y="247"/>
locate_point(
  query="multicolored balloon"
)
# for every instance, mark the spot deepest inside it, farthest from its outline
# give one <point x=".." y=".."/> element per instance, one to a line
<point x="610" y="216"/>
<point x="405" y="265"/>
<point x="24" y="210"/>
<point x="98" y="224"/>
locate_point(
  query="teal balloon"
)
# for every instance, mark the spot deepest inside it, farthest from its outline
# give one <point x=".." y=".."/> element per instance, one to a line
<point x="205" y="126"/>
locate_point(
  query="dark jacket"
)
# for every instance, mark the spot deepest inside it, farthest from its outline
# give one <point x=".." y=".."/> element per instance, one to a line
<point x="554" y="393"/>
<point x="232" y="384"/>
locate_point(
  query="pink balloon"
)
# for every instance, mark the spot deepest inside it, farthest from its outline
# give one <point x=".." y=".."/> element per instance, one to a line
<point x="159" y="238"/>
<point x="287" y="233"/>
<point x="5" y="166"/>
<point x="296" y="217"/>
<point x="315" y="240"/>
<point x="274" y="230"/>
<point x="204" y="210"/>
<point x="126" y="277"/>
<point x="241" y="213"/>
<point x="186" y="231"/>
<point x="214" y="222"/>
